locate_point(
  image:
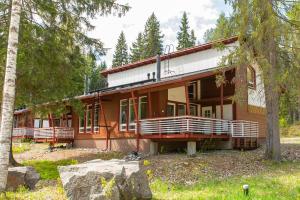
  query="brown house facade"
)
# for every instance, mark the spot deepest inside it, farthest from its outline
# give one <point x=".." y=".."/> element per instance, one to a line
<point x="167" y="101"/>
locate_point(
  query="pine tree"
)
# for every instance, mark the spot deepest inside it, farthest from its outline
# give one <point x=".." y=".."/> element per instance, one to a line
<point x="184" y="37"/>
<point x="137" y="49"/>
<point x="225" y="27"/>
<point x="153" y="43"/>
<point x="193" y="38"/>
<point x="121" y="53"/>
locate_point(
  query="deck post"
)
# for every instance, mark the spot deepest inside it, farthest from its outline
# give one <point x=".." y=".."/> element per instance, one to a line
<point x="191" y="148"/>
<point x="187" y="99"/>
<point x="135" y="103"/>
<point x="105" y="122"/>
<point x="222" y="99"/>
<point x="153" y="148"/>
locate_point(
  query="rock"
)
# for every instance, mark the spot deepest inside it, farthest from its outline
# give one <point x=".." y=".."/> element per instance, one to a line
<point x="22" y="176"/>
<point x="103" y="180"/>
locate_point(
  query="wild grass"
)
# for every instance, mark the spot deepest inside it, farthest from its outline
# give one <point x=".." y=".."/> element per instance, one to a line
<point x="281" y="181"/>
<point x="290" y="130"/>
<point x="48" y="169"/>
<point x="20" y="147"/>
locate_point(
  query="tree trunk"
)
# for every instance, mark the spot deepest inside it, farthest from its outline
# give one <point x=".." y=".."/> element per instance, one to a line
<point x="272" y="103"/>
<point x="9" y="87"/>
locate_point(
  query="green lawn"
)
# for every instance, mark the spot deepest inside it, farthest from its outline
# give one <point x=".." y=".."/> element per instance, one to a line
<point x="48" y="169"/>
<point x="281" y="181"/>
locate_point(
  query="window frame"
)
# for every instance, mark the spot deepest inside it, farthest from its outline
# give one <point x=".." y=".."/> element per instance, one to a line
<point x="86" y="122"/>
<point x="194" y="85"/>
<point x="251" y="84"/>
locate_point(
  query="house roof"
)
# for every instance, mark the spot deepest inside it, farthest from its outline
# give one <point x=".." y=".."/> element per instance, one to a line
<point x="175" y="54"/>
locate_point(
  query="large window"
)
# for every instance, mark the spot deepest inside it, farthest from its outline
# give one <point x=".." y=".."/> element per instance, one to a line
<point x="143" y="107"/>
<point x="181" y="109"/>
<point x="251" y="77"/>
<point x="127" y="116"/>
<point x="89" y="120"/>
<point x="123" y="114"/>
<point x="171" y="109"/>
<point x="193" y="110"/>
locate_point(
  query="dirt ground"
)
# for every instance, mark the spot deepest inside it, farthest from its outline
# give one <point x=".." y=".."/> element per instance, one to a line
<point x="178" y="168"/>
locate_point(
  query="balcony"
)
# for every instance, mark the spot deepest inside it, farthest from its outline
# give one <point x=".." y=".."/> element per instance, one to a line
<point x="196" y="127"/>
<point x="52" y="134"/>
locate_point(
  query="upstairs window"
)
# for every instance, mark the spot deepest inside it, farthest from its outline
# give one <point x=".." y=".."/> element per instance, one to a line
<point x="192" y="90"/>
<point x="251" y="77"/>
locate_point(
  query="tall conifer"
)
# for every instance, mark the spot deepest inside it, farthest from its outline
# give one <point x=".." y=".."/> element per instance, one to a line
<point x="137" y="49"/>
<point x="184" y="37"/>
<point x="121" y="53"/>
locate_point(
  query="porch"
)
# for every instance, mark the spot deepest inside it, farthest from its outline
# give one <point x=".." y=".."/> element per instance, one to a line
<point x="51" y="134"/>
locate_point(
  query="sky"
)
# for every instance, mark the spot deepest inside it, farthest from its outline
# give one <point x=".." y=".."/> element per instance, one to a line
<point x="202" y="15"/>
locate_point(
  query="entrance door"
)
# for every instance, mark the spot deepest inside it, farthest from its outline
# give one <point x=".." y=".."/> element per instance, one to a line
<point x="207" y="111"/>
<point x="171" y="109"/>
<point x="227" y="112"/>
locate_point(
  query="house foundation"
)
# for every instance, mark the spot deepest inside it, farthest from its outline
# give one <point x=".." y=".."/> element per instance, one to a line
<point x="191" y="148"/>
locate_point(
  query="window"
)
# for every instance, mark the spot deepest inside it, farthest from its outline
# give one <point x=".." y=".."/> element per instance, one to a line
<point x="56" y="122"/>
<point x="37" y="123"/>
<point x="89" y="121"/>
<point x="131" y="115"/>
<point x="251" y="77"/>
<point x="181" y="109"/>
<point x="207" y="113"/>
<point x="171" y="109"/>
<point x="193" y="110"/>
<point x="192" y="90"/>
<point x="123" y="114"/>
<point x="143" y="107"/>
<point x="45" y="123"/>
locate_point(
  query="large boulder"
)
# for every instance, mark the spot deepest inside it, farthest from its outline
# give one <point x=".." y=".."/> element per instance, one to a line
<point x="22" y="176"/>
<point x="103" y="180"/>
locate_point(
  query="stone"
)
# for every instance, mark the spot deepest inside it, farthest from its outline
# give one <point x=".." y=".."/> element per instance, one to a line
<point x="153" y="148"/>
<point x="102" y="180"/>
<point x="22" y="176"/>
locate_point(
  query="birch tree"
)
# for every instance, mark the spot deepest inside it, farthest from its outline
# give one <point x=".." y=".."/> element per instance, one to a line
<point x="9" y="88"/>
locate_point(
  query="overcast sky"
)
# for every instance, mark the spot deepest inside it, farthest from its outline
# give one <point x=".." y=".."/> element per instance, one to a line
<point x="202" y="15"/>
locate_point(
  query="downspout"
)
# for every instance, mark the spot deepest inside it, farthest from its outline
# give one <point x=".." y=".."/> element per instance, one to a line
<point x="158" y="67"/>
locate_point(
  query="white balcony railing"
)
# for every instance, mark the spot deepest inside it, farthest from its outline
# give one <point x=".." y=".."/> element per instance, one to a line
<point x="45" y="133"/>
<point x="198" y="125"/>
<point x="23" y="132"/>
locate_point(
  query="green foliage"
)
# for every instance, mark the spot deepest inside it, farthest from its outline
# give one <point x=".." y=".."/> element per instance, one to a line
<point x="225" y="27"/>
<point x="20" y="147"/>
<point x="153" y="43"/>
<point x="137" y="49"/>
<point x="97" y="81"/>
<point x="51" y="64"/>
<point x="281" y="181"/>
<point x="108" y="186"/>
<point x="184" y="37"/>
<point x="287" y="130"/>
<point x="48" y="169"/>
<point x="120" y="56"/>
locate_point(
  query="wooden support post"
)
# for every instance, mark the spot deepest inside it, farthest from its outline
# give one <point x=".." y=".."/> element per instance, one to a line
<point x="149" y="105"/>
<point x="187" y="99"/>
<point x="222" y="99"/>
<point x="105" y="122"/>
<point x="135" y="103"/>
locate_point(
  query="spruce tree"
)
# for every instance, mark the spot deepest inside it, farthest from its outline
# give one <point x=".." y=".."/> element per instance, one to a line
<point x="137" y="49"/>
<point x="225" y="27"/>
<point x="184" y="37"/>
<point x="153" y="43"/>
<point x="121" y="53"/>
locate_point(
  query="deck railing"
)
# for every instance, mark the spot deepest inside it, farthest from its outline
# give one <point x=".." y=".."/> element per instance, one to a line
<point x="198" y="125"/>
<point x="45" y="133"/>
<point x="23" y="132"/>
<point x="56" y="132"/>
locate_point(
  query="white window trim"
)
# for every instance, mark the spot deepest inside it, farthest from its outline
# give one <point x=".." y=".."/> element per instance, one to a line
<point x="123" y="126"/>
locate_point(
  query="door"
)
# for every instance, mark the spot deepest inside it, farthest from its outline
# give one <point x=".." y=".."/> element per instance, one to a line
<point x="171" y="109"/>
<point x="227" y="112"/>
<point x="207" y="111"/>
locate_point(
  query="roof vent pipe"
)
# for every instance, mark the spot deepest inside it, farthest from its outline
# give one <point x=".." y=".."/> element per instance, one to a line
<point x="158" y="67"/>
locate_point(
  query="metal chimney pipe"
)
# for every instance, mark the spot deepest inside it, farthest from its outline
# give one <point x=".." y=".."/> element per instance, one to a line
<point x="158" y="67"/>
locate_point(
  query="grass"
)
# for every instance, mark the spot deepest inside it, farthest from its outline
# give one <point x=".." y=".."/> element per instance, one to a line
<point x="291" y="130"/>
<point x="51" y="192"/>
<point x="20" y="147"/>
<point x="281" y="181"/>
<point x="48" y="169"/>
